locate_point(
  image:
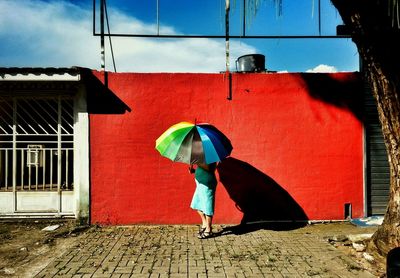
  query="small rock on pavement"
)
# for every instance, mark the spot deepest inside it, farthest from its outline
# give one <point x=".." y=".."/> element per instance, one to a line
<point x="51" y="228"/>
<point x="9" y="271"/>
<point x="359" y="237"/>
<point x="359" y="247"/>
<point x="368" y="257"/>
<point x="339" y="238"/>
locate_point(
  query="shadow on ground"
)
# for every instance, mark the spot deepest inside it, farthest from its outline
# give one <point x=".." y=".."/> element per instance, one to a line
<point x="264" y="203"/>
<point x="244" y="228"/>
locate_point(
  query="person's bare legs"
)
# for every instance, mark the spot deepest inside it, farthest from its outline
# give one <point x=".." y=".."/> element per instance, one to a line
<point x="208" y="223"/>
<point x="206" y="226"/>
<point x="203" y="220"/>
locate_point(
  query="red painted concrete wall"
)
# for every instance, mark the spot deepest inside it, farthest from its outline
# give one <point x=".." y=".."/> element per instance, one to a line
<point x="295" y="134"/>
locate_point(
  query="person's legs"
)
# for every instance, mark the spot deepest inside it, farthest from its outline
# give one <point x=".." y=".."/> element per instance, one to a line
<point x="203" y="220"/>
<point x="208" y="223"/>
<point x="207" y="230"/>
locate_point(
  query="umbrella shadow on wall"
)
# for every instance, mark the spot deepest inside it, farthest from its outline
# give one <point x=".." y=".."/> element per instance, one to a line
<point x="100" y="99"/>
<point x="263" y="202"/>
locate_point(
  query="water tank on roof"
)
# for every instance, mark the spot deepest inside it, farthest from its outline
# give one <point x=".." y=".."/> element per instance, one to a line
<point x="251" y="63"/>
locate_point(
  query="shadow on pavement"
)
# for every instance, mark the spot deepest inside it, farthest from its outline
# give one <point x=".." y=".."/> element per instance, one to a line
<point x="245" y="228"/>
<point x="264" y="203"/>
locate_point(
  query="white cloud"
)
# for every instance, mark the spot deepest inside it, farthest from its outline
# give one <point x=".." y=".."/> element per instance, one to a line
<point x="323" y="68"/>
<point x="37" y="33"/>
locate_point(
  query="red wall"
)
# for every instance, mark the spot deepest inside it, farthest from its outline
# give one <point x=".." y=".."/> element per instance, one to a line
<point x="298" y="133"/>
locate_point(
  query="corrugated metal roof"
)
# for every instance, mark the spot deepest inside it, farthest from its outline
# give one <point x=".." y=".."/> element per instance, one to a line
<point x="47" y="71"/>
<point x="40" y="74"/>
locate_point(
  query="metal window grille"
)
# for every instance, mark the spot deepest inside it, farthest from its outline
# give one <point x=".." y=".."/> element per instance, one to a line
<point x="36" y="143"/>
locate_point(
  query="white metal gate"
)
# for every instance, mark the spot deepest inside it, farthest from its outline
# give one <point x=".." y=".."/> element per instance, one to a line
<point x="36" y="154"/>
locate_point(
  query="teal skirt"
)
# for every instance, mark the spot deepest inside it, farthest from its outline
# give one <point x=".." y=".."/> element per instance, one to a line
<point x="204" y="198"/>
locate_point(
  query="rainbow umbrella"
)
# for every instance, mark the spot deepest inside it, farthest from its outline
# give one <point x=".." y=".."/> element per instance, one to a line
<point x="193" y="143"/>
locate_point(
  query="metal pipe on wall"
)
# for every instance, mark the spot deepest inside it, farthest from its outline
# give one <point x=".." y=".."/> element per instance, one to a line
<point x="227" y="72"/>
<point x="102" y="51"/>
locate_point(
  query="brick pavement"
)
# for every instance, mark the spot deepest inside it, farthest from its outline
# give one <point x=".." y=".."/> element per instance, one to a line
<point x="174" y="251"/>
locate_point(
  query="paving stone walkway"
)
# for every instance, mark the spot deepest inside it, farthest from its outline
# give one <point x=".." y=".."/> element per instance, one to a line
<point x="175" y="251"/>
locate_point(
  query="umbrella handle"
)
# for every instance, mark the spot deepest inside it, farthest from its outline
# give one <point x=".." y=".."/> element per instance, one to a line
<point x="191" y="169"/>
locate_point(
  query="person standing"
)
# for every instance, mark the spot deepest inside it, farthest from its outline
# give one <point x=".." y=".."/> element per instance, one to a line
<point x="203" y="200"/>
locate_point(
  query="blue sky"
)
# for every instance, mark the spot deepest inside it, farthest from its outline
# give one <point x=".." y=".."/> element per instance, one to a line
<point x="58" y="33"/>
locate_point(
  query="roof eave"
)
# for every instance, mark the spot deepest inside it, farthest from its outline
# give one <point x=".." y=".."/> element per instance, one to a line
<point x="40" y="77"/>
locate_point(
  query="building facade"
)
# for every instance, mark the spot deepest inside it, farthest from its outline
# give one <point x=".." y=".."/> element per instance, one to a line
<point x="81" y="143"/>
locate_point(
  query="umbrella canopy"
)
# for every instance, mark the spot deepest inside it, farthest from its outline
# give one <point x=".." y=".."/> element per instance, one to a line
<point x="193" y="143"/>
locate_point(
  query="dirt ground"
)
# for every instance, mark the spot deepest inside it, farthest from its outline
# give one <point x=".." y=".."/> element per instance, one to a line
<point x="26" y="249"/>
<point x="339" y="235"/>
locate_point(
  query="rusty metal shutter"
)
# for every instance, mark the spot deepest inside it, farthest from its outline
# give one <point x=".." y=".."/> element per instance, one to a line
<point x="377" y="166"/>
